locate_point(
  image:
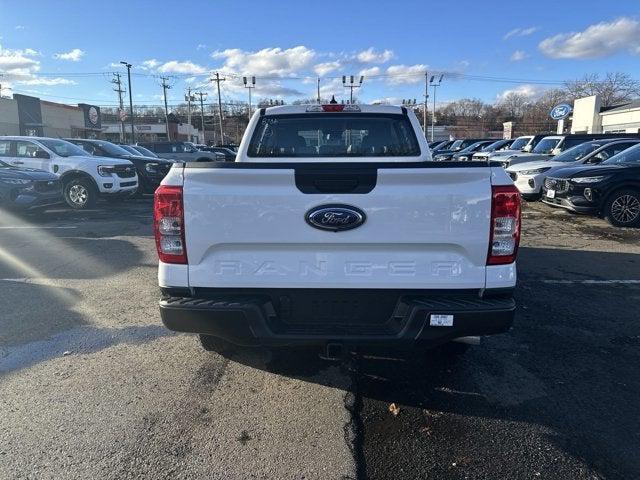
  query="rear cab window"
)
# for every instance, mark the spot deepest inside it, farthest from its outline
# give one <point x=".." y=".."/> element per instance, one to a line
<point x="326" y="135"/>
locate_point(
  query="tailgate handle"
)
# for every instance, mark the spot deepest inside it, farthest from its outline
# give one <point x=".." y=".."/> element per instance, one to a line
<point x="319" y="181"/>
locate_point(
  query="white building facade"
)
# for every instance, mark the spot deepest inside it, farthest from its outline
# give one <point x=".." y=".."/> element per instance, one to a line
<point x="590" y="117"/>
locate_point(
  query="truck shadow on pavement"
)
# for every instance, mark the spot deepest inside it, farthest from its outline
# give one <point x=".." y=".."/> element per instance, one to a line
<point x="556" y="397"/>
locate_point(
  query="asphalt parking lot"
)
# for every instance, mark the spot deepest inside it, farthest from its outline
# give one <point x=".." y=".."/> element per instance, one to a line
<point x="93" y="386"/>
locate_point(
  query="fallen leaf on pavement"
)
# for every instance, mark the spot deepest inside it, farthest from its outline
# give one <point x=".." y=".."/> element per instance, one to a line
<point x="394" y="409"/>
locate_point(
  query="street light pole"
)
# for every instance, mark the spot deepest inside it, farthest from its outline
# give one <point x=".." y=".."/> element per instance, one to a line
<point x="249" y="84"/>
<point x="351" y="84"/>
<point x="128" y="65"/>
<point x="434" y="84"/>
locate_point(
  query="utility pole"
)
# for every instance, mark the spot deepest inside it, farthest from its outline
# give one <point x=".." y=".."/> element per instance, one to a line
<point x="351" y="84"/>
<point x="133" y="135"/>
<point x="319" y="90"/>
<point x="218" y="80"/>
<point x="166" y="86"/>
<point x="426" y="99"/>
<point x="202" y="95"/>
<point x="434" y="84"/>
<point x="249" y="85"/>
<point x="116" y="81"/>
<point x="188" y="99"/>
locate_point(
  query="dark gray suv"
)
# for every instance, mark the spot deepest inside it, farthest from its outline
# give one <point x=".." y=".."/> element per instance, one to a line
<point x="28" y="188"/>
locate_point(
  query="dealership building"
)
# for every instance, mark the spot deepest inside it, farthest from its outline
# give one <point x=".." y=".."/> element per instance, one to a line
<point x="589" y="116"/>
<point x="26" y="115"/>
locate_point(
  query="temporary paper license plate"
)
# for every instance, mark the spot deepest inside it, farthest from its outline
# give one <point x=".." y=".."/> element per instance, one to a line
<point x="551" y="194"/>
<point x="441" y="320"/>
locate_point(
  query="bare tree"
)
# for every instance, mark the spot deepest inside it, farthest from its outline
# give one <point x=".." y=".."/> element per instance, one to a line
<point x="513" y="104"/>
<point x="614" y="88"/>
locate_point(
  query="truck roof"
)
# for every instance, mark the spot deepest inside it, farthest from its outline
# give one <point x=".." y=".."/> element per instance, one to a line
<point x="298" y="109"/>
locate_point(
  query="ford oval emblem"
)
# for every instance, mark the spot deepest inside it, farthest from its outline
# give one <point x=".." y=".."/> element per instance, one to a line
<point x="335" y="218"/>
<point x="560" y="111"/>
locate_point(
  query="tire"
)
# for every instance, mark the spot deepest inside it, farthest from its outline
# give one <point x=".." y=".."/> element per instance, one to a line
<point x="216" y="344"/>
<point x="622" y="208"/>
<point x="80" y="193"/>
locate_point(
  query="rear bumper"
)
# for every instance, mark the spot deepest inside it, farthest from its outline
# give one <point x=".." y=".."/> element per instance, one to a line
<point x="302" y="317"/>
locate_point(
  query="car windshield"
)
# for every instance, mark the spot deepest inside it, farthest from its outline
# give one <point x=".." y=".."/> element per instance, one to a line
<point x="112" y="149"/>
<point x="546" y="145"/>
<point x="628" y="156"/>
<point x="64" y="148"/>
<point x="492" y="147"/>
<point x="144" y="151"/>
<point x="472" y="148"/>
<point x="576" y="153"/>
<point x="455" y="145"/>
<point x="520" y="143"/>
<point x="129" y="149"/>
<point x="333" y="135"/>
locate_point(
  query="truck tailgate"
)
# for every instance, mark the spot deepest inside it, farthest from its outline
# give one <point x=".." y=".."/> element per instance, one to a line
<point x="425" y="228"/>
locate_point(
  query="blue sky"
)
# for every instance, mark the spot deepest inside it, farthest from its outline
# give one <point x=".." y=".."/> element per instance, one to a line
<point x="66" y="51"/>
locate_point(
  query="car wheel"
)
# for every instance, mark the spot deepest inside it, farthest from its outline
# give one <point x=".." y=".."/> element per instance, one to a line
<point x="80" y="193"/>
<point x="623" y="208"/>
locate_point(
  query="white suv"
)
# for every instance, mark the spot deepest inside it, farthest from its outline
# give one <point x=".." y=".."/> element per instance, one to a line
<point x="83" y="176"/>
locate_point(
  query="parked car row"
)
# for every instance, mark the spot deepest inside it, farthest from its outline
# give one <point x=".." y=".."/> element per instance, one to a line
<point x="596" y="174"/>
<point x="36" y="172"/>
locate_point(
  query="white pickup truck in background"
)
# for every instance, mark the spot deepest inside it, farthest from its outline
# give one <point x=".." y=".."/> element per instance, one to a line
<point x="334" y="228"/>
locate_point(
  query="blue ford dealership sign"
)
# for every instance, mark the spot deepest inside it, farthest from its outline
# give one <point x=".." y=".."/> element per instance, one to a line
<point x="560" y="111"/>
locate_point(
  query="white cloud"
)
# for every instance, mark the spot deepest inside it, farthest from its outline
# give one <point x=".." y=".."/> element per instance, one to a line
<point x="201" y="46"/>
<point x="528" y="91"/>
<point x="400" y="74"/>
<point x="74" y="55"/>
<point x="20" y="68"/>
<point x="187" y="67"/>
<point x="150" y="64"/>
<point x="597" y="41"/>
<point x="518" y="56"/>
<point x="370" y="55"/>
<point x="326" y="67"/>
<point x="367" y="72"/>
<point x="19" y="27"/>
<point x="268" y="61"/>
<point x="520" y="32"/>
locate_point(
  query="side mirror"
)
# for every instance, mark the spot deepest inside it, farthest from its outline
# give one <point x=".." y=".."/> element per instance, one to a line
<point x="555" y="151"/>
<point x="527" y="148"/>
<point x="42" y="154"/>
<point x="594" y="160"/>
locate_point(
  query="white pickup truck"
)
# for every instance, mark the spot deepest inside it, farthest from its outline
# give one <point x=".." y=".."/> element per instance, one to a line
<point x="334" y="228"/>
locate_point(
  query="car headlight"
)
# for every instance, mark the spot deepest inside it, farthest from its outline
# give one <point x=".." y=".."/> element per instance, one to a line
<point x="463" y="158"/>
<point x="151" y="167"/>
<point x="15" y="181"/>
<point x="535" y="171"/>
<point x="105" y="170"/>
<point x="596" y="179"/>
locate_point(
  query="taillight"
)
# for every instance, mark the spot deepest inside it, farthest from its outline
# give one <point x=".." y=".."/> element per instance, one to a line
<point x="168" y="224"/>
<point x="505" y="225"/>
